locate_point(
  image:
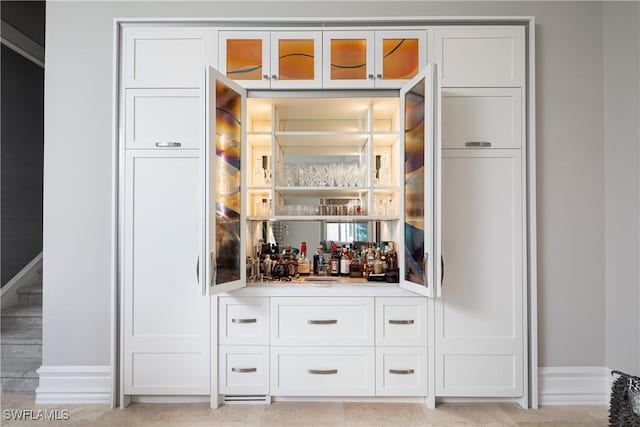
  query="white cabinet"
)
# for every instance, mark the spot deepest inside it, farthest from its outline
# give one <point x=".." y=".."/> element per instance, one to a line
<point x="166" y="318"/>
<point x="401" y="371"/>
<point x="401" y="321"/>
<point x="276" y="60"/>
<point x="399" y="56"/>
<point x="243" y="321"/>
<point x="167" y="57"/>
<point x="244" y="370"/>
<point x="482" y="118"/>
<point x="480" y="347"/>
<point x="480" y="56"/>
<point x="322" y="371"/>
<point x="163" y="118"/>
<point x="322" y="321"/>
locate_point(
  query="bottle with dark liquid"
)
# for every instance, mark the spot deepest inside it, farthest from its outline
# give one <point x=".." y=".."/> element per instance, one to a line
<point x="335" y="260"/>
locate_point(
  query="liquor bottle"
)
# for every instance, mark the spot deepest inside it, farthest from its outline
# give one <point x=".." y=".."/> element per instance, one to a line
<point x="335" y="261"/>
<point x="355" y="269"/>
<point x="377" y="263"/>
<point x="318" y="261"/>
<point x="344" y="263"/>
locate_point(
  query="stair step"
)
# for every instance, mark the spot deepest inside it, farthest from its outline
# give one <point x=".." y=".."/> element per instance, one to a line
<point x="20" y="385"/>
<point x="21" y="343"/>
<point x="30" y="295"/>
<point x="22" y="317"/>
<point x="20" y="367"/>
<point x="35" y="289"/>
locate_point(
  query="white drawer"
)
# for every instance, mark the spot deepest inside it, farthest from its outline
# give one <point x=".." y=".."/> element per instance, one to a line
<point x="244" y="370"/>
<point x="163" y="118"/>
<point x="243" y="320"/>
<point x="480" y="56"/>
<point x="401" y="371"/>
<point x="167" y="57"/>
<point x="322" y="371"/>
<point x="401" y="321"/>
<point x="482" y="118"/>
<point x="322" y="321"/>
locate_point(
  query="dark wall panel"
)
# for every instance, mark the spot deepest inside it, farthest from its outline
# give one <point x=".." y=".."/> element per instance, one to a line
<point x="22" y="136"/>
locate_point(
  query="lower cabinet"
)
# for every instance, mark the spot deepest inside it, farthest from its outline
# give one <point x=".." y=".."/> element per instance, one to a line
<point x="401" y="371"/>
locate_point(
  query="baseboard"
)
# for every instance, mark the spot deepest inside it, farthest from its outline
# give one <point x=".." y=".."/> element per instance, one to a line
<point x="360" y="399"/>
<point x="573" y="385"/>
<point x="74" y="384"/>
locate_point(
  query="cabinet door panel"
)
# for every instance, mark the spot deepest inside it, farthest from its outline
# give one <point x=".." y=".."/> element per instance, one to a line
<point x="166" y="318"/>
<point x="348" y="59"/>
<point x="480" y="56"/>
<point x="482" y="117"/>
<point x="296" y="60"/>
<point x="401" y="321"/>
<point x="163" y="118"/>
<point x="480" y="326"/>
<point x="401" y="371"/>
<point x="399" y="56"/>
<point x="244" y="370"/>
<point x="167" y="57"/>
<point x="244" y="57"/>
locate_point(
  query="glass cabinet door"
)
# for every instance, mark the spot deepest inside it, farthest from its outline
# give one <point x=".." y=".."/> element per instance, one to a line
<point x="296" y="60"/>
<point x="244" y="57"/>
<point x="224" y="200"/>
<point x="399" y="57"/>
<point x="348" y="59"/>
<point x="418" y="100"/>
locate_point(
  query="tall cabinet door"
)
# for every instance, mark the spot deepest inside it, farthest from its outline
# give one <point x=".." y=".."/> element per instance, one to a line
<point x="479" y="319"/>
<point x="166" y="318"/>
<point x="225" y="211"/>
<point x="418" y="109"/>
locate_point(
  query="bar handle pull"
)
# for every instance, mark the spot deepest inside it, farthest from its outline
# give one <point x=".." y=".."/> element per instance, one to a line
<point x="481" y="144"/>
<point x="322" y="322"/>
<point x="401" y="322"/>
<point x="168" y="144"/>
<point x="243" y="370"/>
<point x="425" y="267"/>
<point x="244" y="320"/>
<point x="322" y="371"/>
<point x="402" y="371"/>
<point x="198" y="270"/>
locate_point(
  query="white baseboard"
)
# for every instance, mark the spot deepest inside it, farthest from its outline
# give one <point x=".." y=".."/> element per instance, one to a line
<point x="574" y="385"/>
<point x="74" y="384"/>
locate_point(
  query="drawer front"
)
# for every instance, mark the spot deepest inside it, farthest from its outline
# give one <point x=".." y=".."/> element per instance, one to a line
<point x="401" y="321"/>
<point x="480" y="56"/>
<point x="401" y="371"/>
<point x="243" y="320"/>
<point x="322" y="371"/>
<point x="163" y="118"/>
<point x="322" y="321"/>
<point x="244" y="370"/>
<point x="482" y="118"/>
<point x="167" y="57"/>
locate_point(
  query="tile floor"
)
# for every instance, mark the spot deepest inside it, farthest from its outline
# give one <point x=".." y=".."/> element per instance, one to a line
<point x="283" y="414"/>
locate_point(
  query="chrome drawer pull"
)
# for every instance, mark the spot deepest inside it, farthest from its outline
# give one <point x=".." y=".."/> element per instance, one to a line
<point x="322" y="371"/>
<point x="477" y="144"/>
<point x="168" y="144"/>
<point x="243" y="370"/>
<point x="401" y="322"/>
<point x="244" y="320"/>
<point x="402" y="371"/>
<point x="322" y="322"/>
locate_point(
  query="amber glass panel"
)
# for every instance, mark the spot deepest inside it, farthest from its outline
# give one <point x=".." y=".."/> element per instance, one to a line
<point x="348" y="59"/>
<point x="227" y="183"/>
<point x="399" y="58"/>
<point x="414" y="177"/>
<point x="244" y="59"/>
<point x="295" y="60"/>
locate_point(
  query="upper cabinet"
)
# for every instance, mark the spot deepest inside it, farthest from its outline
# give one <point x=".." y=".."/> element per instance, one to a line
<point x="372" y="59"/>
<point x="276" y="60"/>
<point x="167" y="57"/>
<point x="480" y="56"/>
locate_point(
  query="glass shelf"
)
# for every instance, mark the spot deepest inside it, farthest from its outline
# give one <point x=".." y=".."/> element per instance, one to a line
<point x="326" y="218"/>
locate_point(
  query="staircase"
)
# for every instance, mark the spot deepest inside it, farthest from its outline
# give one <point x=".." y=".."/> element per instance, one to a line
<point x="21" y="341"/>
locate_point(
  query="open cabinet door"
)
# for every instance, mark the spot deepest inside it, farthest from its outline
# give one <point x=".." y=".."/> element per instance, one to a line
<point x="418" y="109"/>
<point x="226" y="111"/>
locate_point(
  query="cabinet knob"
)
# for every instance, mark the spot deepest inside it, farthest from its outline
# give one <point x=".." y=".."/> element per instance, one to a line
<point x="265" y="77"/>
<point x="379" y="76"/>
<point x="370" y="76"/>
<point x="274" y="77"/>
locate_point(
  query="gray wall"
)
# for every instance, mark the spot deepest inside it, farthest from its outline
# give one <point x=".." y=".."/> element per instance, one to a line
<point x="22" y="155"/>
<point x="78" y="168"/>
<point x="622" y="184"/>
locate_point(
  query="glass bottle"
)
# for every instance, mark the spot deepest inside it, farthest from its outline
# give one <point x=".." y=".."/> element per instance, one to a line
<point x="354" y="265"/>
<point x="303" y="262"/>
<point x="377" y="263"/>
<point x="335" y="261"/>
<point x="318" y="261"/>
<point x="344" y="263"/>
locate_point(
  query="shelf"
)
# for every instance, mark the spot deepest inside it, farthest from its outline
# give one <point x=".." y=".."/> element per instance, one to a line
<point x="260" y="189"/>
<point x="322" y="192"/>
<point x="326" y="218"/>
<point x="323" y="143"/>
<point x="385" y="139"/>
